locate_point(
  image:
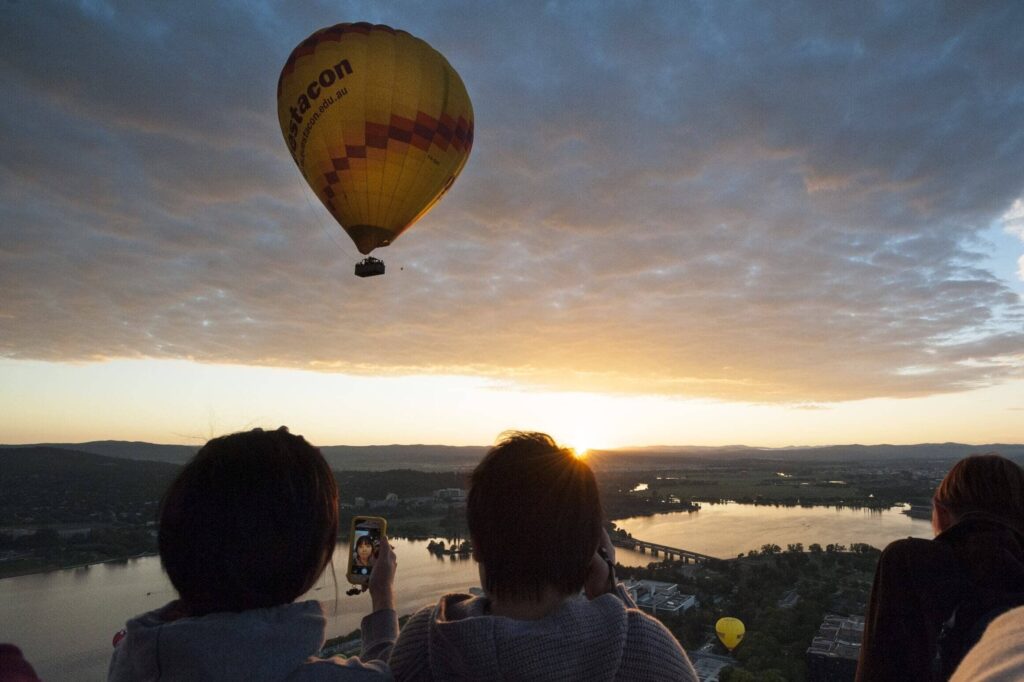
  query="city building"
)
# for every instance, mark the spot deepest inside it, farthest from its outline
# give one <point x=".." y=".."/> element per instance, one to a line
<point x="658" y="597"/>
<point x="450" y="494"/>
<point x="832" y="656"/>
<point x="709" y="665"/>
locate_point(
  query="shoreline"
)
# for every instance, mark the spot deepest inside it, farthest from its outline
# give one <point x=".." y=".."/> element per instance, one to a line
<point x="619" y="517"/>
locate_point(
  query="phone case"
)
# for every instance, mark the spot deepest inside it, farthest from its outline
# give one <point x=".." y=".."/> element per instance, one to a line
<point x="355" y="574"/>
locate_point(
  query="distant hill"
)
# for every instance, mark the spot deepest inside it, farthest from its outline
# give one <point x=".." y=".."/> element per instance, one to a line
<point x="423" y="457"/>
<point x="662" y="456"/>
<point x="340" y="457"/>
<point x="47" y="485"/>
<point x="447" y="457"/>
<point x="124" y="449"/>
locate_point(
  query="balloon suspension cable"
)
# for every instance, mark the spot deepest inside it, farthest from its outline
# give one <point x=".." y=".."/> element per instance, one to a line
<point x="332" y="234"/>
<point x="367" y="267"/>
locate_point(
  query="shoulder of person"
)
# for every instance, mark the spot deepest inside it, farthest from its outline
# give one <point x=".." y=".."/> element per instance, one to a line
<point x="410" y="652"/>
<point x="652" y="651"/>
<point x="649" y="631"/>
<point x="420" y="619"/>
<point x="912" y="549"/>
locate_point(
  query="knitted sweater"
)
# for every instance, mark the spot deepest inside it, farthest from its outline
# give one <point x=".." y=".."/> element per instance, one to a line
<point x="999" y="655"/>
<point x="279" y="643"/>
<point x="603" y="639"/>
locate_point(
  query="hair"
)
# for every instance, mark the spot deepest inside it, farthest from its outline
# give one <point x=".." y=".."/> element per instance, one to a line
<point x="534" y="516"/>
<point x="364" y="540"/>
<point x="984" y="483"/>
<point x="250" y="522"/>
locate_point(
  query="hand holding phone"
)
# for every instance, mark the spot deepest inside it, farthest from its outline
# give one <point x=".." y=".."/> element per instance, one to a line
<point x="601" y="572"/>
<point x="383" y="577"/>
<point x="364" y="547"/>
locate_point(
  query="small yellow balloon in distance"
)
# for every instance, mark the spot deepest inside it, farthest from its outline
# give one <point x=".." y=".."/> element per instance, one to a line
<point x="730" y="630"/>
<point x="378" y="122"/>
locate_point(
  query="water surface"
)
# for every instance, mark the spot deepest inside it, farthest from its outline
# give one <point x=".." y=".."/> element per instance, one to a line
<point x="64" y="620"/>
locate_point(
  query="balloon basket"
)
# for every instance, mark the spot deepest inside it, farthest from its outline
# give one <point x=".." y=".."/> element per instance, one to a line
<point x="369" y="267"/>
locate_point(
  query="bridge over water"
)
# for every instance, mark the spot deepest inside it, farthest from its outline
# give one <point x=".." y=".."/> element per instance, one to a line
<point x="642" y="546"/>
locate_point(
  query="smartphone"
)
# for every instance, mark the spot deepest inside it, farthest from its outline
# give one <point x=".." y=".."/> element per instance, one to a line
<point x="364" y="547"/>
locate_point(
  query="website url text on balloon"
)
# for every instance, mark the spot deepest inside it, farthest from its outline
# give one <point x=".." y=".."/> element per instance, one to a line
<point x="305" y="101"/>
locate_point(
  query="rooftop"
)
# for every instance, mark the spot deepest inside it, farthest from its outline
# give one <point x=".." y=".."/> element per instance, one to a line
<point x="838" y="637"/>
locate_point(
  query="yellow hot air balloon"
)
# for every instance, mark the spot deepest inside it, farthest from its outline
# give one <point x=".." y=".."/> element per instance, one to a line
<point x="730" y="630"/>
<point x="380" y="125"/>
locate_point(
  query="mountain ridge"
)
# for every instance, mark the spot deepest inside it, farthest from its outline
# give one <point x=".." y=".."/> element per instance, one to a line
<point x="434" y="457"/>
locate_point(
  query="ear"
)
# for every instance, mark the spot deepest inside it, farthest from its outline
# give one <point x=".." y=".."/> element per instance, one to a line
<point x="942" y="518"/>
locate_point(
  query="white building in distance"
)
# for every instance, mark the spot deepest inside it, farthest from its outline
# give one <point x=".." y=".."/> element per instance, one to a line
<point x="657" y="597"/>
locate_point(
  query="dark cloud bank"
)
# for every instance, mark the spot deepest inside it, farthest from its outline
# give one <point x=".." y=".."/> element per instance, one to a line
<point x="769" y="202"/>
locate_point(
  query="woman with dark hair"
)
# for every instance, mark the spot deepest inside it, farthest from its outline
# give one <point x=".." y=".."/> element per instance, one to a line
<point x="364" y="551"/>
<point x="246" y="529"/>
<point x="978" y="551"/>
<point x="533" y="623"/>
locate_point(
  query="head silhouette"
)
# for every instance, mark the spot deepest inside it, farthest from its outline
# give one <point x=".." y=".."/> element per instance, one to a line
<point x="534" y="516"/>
<point x="250" y="522"/>
<point x="987" y="483"/>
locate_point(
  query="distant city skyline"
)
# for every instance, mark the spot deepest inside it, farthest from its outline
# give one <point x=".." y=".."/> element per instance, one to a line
<point x="703" y="223"/>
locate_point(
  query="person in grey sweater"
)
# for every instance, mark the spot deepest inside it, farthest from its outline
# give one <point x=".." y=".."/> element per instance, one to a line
<point x="536" y="526"/>
<point x="246" y="529"/>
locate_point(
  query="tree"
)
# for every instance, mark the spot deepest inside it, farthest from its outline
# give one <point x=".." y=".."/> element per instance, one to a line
<point x="815" y="548"/>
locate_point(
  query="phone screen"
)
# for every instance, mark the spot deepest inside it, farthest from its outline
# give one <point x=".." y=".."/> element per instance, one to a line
<point x="365" y="548"/>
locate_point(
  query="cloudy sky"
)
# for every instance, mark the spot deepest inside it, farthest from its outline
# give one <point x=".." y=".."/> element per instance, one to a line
<point x="769" y="223"/>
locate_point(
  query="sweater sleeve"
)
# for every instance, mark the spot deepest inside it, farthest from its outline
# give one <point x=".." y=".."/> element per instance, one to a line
<point x="410" y="657"/>
<point x="652" y="653"/>
<point x="379" y="632"/>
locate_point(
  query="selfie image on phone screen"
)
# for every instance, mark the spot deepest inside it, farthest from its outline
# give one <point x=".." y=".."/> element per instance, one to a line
<point x="364" y="550"/>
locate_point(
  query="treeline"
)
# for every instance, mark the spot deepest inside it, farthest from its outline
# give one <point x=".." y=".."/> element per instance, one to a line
<point x="49" y="486"/>
<point x="376" y="485"/>
<point x="47" y="549"/>
<point x="62" y="507"/>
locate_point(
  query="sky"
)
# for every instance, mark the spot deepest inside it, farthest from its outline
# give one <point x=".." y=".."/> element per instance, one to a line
<point x="681" y="223"/>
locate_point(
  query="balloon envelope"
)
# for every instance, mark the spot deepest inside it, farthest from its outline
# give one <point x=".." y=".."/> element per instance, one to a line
<point x="378" y="122"/>
<point x="730" y="630"/>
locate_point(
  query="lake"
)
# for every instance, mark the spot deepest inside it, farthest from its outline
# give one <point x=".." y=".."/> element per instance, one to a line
<point x="64" y="620"/>
<point x="724" y="530"/>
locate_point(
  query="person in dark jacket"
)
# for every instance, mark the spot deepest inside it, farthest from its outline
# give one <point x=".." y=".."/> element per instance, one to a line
<point x="978" y="518"/>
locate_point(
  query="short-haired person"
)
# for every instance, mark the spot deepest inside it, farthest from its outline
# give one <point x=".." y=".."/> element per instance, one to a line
<point x="978" y="519"/>
<point x="536" y="526"/>
<point x="246" y="529"/>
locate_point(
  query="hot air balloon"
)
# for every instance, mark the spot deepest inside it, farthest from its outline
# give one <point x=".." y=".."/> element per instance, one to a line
<point x="730" y="630"/>
<point x="380" y="125"/>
